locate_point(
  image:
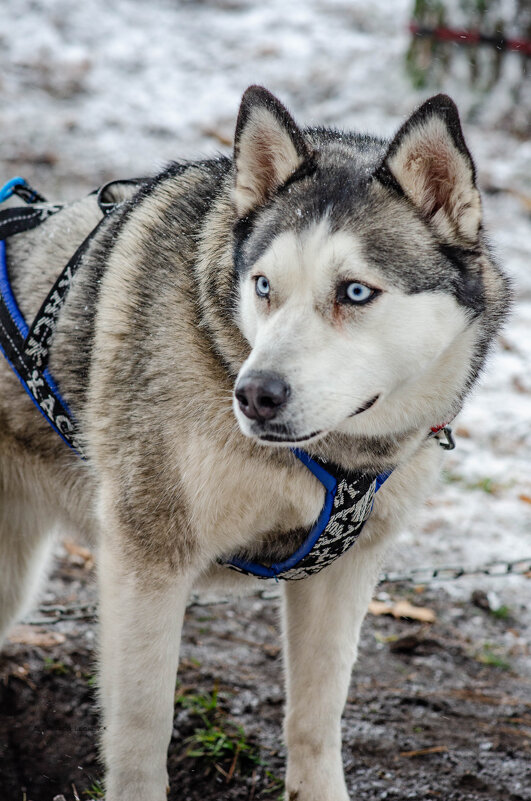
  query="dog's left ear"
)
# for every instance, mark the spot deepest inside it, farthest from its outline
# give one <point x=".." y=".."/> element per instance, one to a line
<point x="430" y="162"/>
<point x="268" y="149"/>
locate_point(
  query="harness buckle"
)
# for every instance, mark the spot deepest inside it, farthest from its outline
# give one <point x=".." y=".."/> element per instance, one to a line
<point x="449" y="445"/>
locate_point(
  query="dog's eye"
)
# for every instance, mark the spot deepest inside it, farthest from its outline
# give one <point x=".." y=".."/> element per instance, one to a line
<point x="355" y="292"/>
<point x="262" y="286"/>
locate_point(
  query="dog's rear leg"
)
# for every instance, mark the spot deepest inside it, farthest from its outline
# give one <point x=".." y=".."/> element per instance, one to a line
<point x="142" y="607"/>
<point x="322" y="620"/>
<point x="24" y="548"/>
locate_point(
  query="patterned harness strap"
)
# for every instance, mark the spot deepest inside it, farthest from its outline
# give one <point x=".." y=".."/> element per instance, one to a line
<point x="348" y="503"/>
<point x="34" y="376"/>
<point x="27" y="348"/>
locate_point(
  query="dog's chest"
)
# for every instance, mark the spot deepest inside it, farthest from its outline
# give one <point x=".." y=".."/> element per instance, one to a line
<point x="239" y="500"/>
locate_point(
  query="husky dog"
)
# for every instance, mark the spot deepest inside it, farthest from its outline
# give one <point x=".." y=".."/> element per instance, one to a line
<point x="322" y="291"/>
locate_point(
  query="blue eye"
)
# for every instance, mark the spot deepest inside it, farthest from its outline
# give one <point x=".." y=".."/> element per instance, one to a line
<point x="357" y="293"/>
<point x="262" y="286"/>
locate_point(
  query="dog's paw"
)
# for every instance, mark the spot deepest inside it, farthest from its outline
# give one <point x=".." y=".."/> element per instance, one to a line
<point x="315" y="775"/>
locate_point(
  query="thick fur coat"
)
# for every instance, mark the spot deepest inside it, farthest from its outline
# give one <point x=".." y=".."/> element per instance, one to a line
<point x="322" y="289"/>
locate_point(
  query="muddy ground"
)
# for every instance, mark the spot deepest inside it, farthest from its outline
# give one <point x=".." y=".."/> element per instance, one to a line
<point x="435" y="711"/>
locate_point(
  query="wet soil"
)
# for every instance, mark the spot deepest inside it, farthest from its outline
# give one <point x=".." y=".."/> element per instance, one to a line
<point x="435" y="711"/>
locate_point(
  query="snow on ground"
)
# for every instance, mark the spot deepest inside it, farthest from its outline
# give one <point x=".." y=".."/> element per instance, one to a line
<point x="94" y="90"/>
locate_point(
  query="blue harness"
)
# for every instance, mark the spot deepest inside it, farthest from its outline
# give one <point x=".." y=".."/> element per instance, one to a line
<point x="349" y="496"/>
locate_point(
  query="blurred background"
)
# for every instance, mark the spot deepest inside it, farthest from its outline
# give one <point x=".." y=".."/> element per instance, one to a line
<point x="96" y="90"/>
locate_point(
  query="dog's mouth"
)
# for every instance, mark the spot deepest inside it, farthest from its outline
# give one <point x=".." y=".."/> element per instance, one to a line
<point x="288" y="440"/>
<point x="281" y="434"/>
<point x="365" y="406"/>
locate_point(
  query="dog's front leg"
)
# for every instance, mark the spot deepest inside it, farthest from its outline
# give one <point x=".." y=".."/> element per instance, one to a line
<point x="322" y="620"/>
<point x="142" y="609"/>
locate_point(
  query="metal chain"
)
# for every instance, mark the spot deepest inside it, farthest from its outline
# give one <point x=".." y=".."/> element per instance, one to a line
<point x="55" y="613"/>
<point x="424" y="575"/>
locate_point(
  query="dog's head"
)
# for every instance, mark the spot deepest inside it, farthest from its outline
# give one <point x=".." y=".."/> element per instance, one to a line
<point x="360" y="273"/>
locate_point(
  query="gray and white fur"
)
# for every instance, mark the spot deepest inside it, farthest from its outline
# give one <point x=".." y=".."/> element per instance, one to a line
<point x="213" y="324"/>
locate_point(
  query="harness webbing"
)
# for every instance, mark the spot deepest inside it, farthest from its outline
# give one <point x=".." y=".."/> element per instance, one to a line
<point x="14" y="330"/>
<point x="38" y="338"/>
<point x="27" y="348"/>
<point x="349" y="498"/>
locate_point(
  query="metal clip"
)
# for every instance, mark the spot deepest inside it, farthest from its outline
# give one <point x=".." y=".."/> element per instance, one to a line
<point x="19" y="186"/>
<point x="449" y="445"/>
<point x="112" y="194"/>
<point x="28" y="194"/>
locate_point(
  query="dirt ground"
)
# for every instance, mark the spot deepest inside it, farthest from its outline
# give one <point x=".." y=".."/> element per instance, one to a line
<point x="436" y="710"/>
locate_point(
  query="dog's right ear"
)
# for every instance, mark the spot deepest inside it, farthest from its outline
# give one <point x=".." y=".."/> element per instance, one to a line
<point x="268" y="148"/>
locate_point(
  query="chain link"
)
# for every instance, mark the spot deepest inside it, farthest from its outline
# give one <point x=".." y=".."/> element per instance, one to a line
<point x="55" y="613"/>
<point x="424" y="575"/>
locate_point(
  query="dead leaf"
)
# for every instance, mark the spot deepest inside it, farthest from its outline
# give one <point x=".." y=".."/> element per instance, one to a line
<point x="402" y="609"/>
<point x="505" y="344"/>
<point x="81" y="556"/>
<point x="37" y="636"/>
<point x="380" y="608"/>
<point x="435" y="749"/>
<point x="519" y="385"/>
<point x="21" y="672"/>
<point x="463" y="432"/>
<point x="524" y="199"/>
<point x="215" y="133"/>
<point x="271" y="650"/>
<point x="525" y="498"/>
<point x="422" y="613"/>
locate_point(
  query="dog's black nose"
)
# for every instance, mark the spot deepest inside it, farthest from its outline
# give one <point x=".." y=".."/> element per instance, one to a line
<point x="261" y="395"/>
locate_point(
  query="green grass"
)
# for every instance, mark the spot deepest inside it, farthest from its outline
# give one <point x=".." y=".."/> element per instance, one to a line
<point x="502" y="612"/>
<point x="95" y="791"/>
<point x="202" y="705"/>
<point x="385" y="638"/>
<point x="492" y="655"/>
<point x="91" y="679"/>
<point x="58" y="668"/>
<point x="219" y="740"/>
<point x="275" y="785"/>
<point x="484" y="484"/>
<point x="220" y="743"/>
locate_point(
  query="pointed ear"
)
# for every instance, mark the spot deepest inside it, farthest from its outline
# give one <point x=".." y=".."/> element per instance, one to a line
<point x="268" y="148"/>
<point x="430" y="162"/>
